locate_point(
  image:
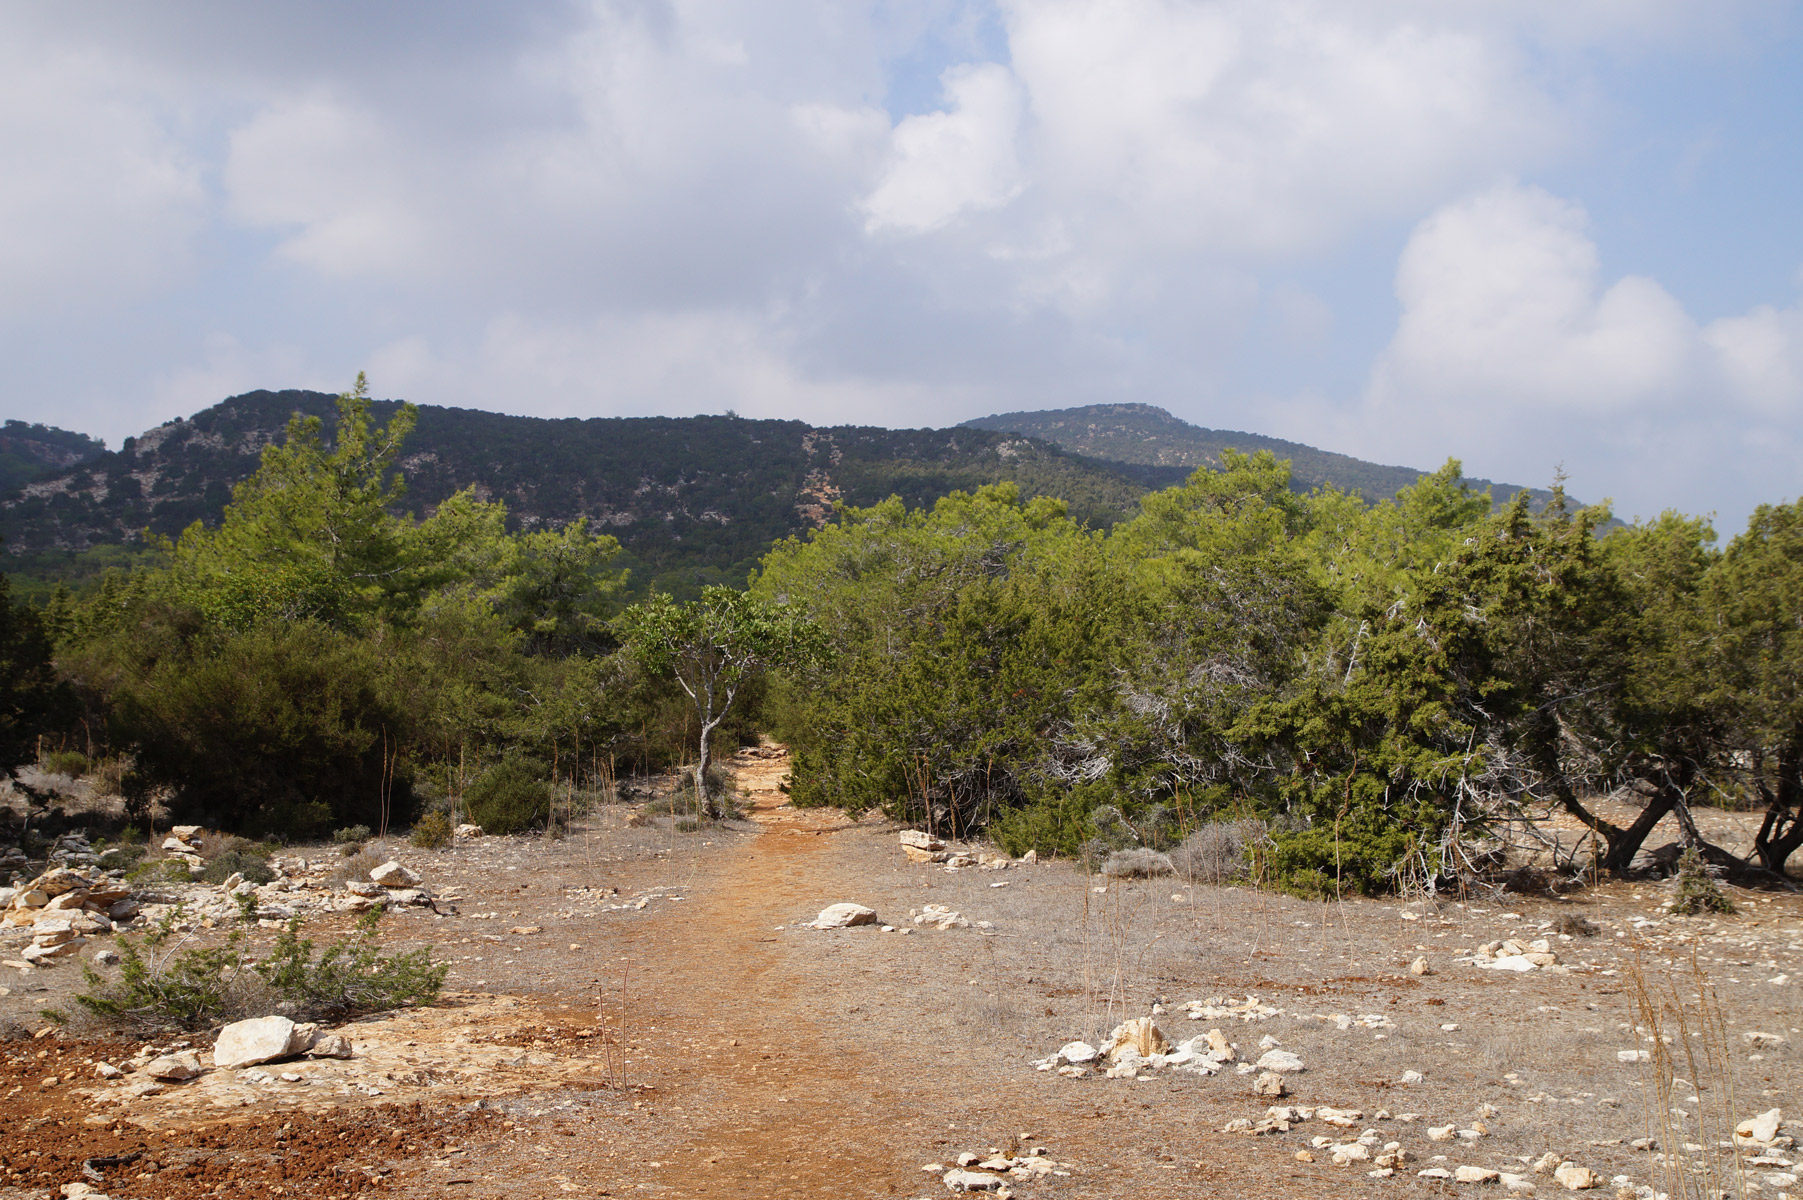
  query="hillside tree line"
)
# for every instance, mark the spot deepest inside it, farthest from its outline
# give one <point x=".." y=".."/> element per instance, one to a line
<point x="1385" y="688"/>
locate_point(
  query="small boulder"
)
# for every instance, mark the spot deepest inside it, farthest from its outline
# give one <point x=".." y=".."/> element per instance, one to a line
<point x="1270" y="1084"/>
<point x="973" y="1181"/>
<point x="392" y="874"/>
<point x="1140" y="1037"/>
<point x="1420" y="967"/>
<point x="1475" y="1175"/>
<point x="1574" y="1178"/>
<point x="841" y="916"/>
<point x="330" y="1045"/>
<point x="173" y="1068"/>
<point x="1281" y="1061"/>
<point x="1077" y="1053"/>
<point x="1760" y="1130"/>
<point x="920" y="841"/>
<point x="467" y="830"/>
<point x="260" y="1040"/>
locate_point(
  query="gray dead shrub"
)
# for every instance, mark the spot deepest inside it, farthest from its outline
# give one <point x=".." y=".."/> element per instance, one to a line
<point x="1216" y="853"/>
<point x="1137" y="864"/>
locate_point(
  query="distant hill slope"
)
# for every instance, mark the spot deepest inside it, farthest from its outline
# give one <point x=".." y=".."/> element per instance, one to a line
<point x="1142" y="433"/>
<point x="694" y="500"/>
<point x="29" y="452"/>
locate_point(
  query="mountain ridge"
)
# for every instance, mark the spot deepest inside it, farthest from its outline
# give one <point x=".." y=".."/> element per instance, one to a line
<point x="1147" y="434"/>
<point x="693" y="500"/>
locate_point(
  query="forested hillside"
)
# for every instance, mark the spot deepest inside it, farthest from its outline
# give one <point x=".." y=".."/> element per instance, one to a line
<point x="29" y="452"/>
<point x="1144" y="433"/>
<point x="693" y="500"/>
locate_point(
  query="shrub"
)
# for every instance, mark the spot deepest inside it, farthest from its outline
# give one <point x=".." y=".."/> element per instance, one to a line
<point x="227" y="863"/>
<point x="682" y="801"/>
<point x="195" y="988"/>
<point x="688" y="825"/>
<point x="1574" y="925"/>
<point x="288" y="727"/>
<point x="351" y="834"/>
<point x="161" y="870"/>
<point x="1137" y="864"/>
<point x="107" y="777"/>
<point x="1361" y="857"/>
<point x="72" y="763"/>
<point x="432" y="831"/>
<point x="511" y="796"/>
<point x="350" y="977"/>
<point x="1697" y="891"/>
<point x="356" y="866"/>
<point x="1216" y="853"/>
<point x="189" y="989"/>
<point x="124" y="856"/>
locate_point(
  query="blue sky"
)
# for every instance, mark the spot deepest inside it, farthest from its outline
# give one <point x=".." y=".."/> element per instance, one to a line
<point x="1531" y="235"/>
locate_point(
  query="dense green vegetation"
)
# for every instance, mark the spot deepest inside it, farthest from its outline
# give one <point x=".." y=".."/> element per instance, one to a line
<point x="1380" y="688"/>
<point x="1146" y="434"/>
<point x="693" y="501"/>
<point x="1385" y="686"/>
<point x="315" y="661"/>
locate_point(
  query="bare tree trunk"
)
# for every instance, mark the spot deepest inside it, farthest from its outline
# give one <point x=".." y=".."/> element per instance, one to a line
<point x="1782" y="830"/>
<point x="1624" y="844"/>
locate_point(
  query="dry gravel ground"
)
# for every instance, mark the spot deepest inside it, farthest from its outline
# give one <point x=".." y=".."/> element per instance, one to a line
<point x="707" y="1043"/>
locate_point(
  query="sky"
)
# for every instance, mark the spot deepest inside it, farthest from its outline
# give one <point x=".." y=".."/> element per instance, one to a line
<point x="1543" y="237"/>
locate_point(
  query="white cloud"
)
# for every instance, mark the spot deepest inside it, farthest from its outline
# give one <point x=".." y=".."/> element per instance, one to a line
<point x="1512" y="350"/>
<point x="644" y="364"/>
<point x="98" y="200"/>
<point x="950" y="162"/>
<point x="682" y="205"/>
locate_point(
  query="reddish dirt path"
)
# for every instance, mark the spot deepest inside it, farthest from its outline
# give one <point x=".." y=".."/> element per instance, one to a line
<point x="805" y="1071"/>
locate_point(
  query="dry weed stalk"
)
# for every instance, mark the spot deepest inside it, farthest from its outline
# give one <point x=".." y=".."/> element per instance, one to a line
<point x="1680" y="1018"/>
<point x="1112" y="918"/>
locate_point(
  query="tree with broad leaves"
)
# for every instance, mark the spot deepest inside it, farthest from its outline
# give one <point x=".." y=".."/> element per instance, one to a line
<point x="713" y="647"/>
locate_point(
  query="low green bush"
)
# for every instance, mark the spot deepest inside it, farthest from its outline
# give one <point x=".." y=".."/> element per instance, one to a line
<point x="349" y="977"/>
<point x="1697" y="892"/>
<point x="511" y="796"/>
<point x="161" y="870"/>
<point x="431" y="832"/>
<point x="351" y="834"/>
<point x="158" y="988"/>
<point x="227" y="863"/>
<point x="72" y="763"/>
<point x="187" y="989"/>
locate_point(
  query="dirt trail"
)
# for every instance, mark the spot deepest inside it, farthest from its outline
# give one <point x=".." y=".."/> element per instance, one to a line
<point x="808" y="1070"/>
<point x="786" y="1101"/>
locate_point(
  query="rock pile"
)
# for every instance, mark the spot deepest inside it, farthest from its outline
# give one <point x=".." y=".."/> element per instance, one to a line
<point x="926" y="848"/>
<point x="13" y="859"/>
<point x="992" y="1171"/>
<point x="1515" y="955"/>
<point x="183" y="842"/>
<point x="1139" y="1048"/>
<point x="940" y="916"/>
<point x="61" y="908"/>
<point x="1762" y="1131"/>
<point x="389" y="884"/>
<point x="1226" y="1008"/>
